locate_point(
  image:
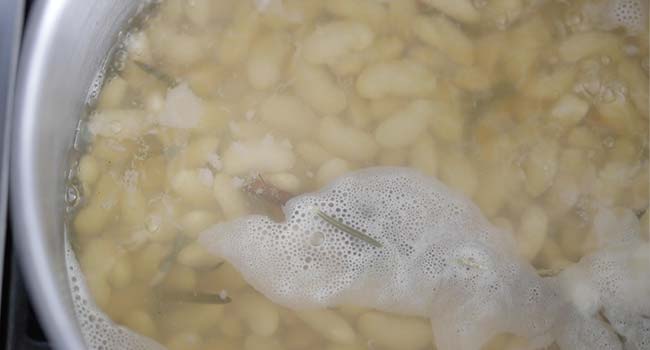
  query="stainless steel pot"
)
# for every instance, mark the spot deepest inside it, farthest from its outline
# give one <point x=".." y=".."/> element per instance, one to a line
<point x="65" y="46"/>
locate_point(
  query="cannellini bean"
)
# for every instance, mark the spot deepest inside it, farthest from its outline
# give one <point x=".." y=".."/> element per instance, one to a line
<point x="490" y="48"/>
<point x="551" y="256"/>
<point x="532" y="232"/>
<point x="395" y="78"/>
<point x="346" y="142"/>
<point x="266" y="60"/>
<point x="246" y="130"/>
<point x="141" y="322"/>
<point x="549" y="86"/>
<point x="232" y="327"/>
<point x="92" y="219"/>
<point x="237" y="38"/>
<point x="113" y="151"/>
<point x="147" y="260"/>
<point x="89" y="169"/>
<point x="444" y="35"/>
<point x="331" y="169"/>
<point x="524" y="44"/>
<point x="113" y="93"/>
<point x="285" y="181"/>
<point x="401" y="15"/>
<point x="99" y="289"/>
<point x="192" y="317"/>
<point x="318" y="88"/>
<point x="620" y="116"/>
<point x="394" y="332"/>
<point x="583" y="137"/>
<point x="194" y="186"/>
<point x="119" y="124"/>
<point x="393" y="157"/>
<point x="265" y="156"/>
<point x="329" y="324"/>
<point x="563" y="195"/>
<point x="637" y="83"/>
<point x="174" y="48"/>
<point x="584" y="44"/>
<point x="347" y="346"/>
<point x="230" y="198"/>
<point x="99" y="256"/>
<point x="333" y="40"/>
<point x="383" y="108"/>
<point x="384" y="49"/>
<point x="289" y="115"/>
<point x="180" y="278"/>
<point x="472" y="78"/>
<point x="541" y="167"/>
<point x="366" y="11"/>
<point x="460" y="10"/>
<point x="199" y="12"/>
<point x="214" y="119"/>
<point x="404" y="128"/>
<point x="194" y="255"/>
<point x="199" y="151"/>
<point x="196" y="221"/>
<point x="312" y="153"/>
<point x="121" y="273"/>
<point x="492" y="191"/>
<point x="569" y="110"/>
<point x="256" y="342"/>
<point x="226" y="277"/>
<point x="447" y="123"/>
<point x="133" y="207"/>
<point x="423" y="156"/>
<point x="138" y="47"/>
<point x="459" y="173"/>
<point x="300" y="337"/>
<point x="259" y="313"/>
<point x="184" y="341"/>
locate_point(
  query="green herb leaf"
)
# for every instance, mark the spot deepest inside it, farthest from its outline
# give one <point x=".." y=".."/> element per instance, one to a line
<point x="156" y="73"/>
<point x="196" y="297"/>
<point x="349" y="230"/>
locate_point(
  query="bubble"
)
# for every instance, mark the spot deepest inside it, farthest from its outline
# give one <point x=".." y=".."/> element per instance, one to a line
<point x="317" y="238"/>
<point x="71" y="195"/>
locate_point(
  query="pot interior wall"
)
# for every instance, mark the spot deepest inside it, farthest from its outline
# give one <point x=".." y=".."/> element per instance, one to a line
<point x="65" y="47"/>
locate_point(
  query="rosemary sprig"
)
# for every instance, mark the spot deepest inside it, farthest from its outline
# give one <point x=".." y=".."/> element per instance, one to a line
<point x="347" y="229"/>
<point x="196" y="297"/>
<point x="156" y="73"/>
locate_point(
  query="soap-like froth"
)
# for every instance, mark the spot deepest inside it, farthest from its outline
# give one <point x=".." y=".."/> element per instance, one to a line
<point x="98" y="330"/>
<point x="631" y="15"/>
<point x="440" y="258"/>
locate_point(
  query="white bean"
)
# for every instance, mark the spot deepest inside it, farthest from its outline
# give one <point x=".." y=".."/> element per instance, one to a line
<point x="194" y="186"/>
<point x="230" y="199"/>
<point x="265" y="156"/>
<point x="133" y="207"/>
<point x="194" y="255"/>
<point x="569" y="110"/>
<point x="184" y="341"/>
<point x="256" y="342"/>
<point x="89" y="169"/>
<point x="312" y="153"/>
<point x="460" y="10"/>
<point x="92" y="219"/>
<point x="346" y="142"/>
<point x="423" y="156"/>
<point x="331" y="169"/>
<point x="196" y="221"/>
<point x="584" y="44"/>
<point x="121" y="273"/>
<point x="459" y="173"/>
<point x="404" y="128"/>
<point x="329" y="324"/>
<point x="370" y="12"/>
<point x="113" y="93"/>
<point x="289" y="115"/>
<point x="532" y="232"/>
<point x="285" y="181"/>
<point x="394" y="332"/>
<point x="444" y="35"/>
<point x="237" y="38"/>
<point x="141" y="322"/>
<point x="266" y="60"/>
<point x="119" y="124"/>
<point x="260" y="314"/>
<point x="318" y="88"/>
<point x="396" y="78"/>
<point x="333" y="40"/>
<point x="541" y="167"/>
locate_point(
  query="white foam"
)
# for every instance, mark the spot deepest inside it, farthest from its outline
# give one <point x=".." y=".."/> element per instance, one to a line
<point x="632" y="15"/>
<point x="97" y="329"/>
<point x="440" y="258"/>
